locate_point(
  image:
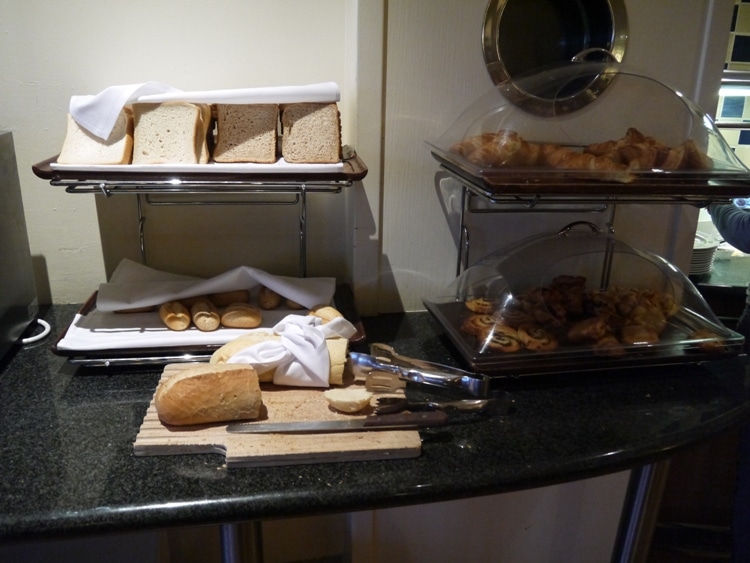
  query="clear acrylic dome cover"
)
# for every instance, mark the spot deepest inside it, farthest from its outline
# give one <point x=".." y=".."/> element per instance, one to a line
<point x="598" y="120"/>
<point x="578" y="299"/>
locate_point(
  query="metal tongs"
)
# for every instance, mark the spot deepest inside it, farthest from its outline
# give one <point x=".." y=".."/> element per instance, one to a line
<point x="383" y="359"/>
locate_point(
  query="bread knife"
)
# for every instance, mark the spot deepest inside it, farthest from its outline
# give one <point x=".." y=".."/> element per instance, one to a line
<point x="400" y="421"/>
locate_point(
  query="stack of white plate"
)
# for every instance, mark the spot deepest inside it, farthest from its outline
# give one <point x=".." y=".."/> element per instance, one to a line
<point x="704" y="250"/>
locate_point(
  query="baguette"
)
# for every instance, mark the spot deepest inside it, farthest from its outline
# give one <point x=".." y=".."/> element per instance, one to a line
<point x="174" y="315"/>
<point x="209" y="393"/>
<point x="338" y="349"/>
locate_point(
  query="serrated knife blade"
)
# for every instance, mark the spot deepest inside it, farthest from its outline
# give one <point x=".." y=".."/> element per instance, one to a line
<point x="400" y="421"/>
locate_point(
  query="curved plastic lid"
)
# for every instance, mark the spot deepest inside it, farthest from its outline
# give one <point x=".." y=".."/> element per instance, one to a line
<point x="577" y="298"/>
<point x="596" y="120"/>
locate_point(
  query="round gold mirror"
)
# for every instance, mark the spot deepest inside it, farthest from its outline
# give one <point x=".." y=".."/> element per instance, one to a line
<point x="522" y="37"/>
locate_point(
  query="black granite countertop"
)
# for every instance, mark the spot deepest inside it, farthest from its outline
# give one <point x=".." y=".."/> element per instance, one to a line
<point x="67" y="464"/>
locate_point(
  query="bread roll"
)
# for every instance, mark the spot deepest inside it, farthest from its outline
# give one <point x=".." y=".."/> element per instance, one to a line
<point x="209" y="393"/>
<point x="205" y="315"/>
<point x="338" y="348"/>
<point x="246" y="133"/>
<point x="241" y="315"/>
<point x="174" y="315"/>
<point x="82" y="147"/>
<point x="224" y="298"/>
<point x="268" y="299"/>
<point x="311" y="133"/>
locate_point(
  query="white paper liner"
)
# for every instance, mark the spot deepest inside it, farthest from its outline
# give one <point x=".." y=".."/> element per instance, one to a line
<point x="134" y="285"/>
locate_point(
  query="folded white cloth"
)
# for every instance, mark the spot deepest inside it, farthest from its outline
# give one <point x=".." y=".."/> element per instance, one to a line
<point x="300" y="357"/>
<point x="321" y="92"/>
<point x="134" y="285"/>
<point x="98" y="113"/>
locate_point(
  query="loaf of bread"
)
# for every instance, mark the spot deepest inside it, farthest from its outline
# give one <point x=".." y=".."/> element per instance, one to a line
<point x="246" y="133"/>
<point x="82" y="147"/>
<point x="170" y="133"/>
<point x="209" y="393"/>
<point x="338" y="349"/>
<point x="311" y="133"/>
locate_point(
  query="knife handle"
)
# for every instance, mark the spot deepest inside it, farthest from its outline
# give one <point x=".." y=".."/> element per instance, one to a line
<point x="406" y="419"/>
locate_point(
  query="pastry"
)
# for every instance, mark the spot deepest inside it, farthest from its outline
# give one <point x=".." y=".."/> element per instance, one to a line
<point x="476" y="324"/>
<point x="500" y="339"/>
<point x="480" y="305"/>
<point x="534" y="337"/>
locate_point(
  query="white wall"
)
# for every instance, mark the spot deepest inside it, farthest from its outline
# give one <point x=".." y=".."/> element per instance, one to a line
<point x="52" y="50"/>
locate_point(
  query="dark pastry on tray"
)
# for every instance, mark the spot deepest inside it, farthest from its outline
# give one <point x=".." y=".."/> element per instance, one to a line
<point x="474" y="325"/>
<point x="537" y="338"/>
<point x="481" y="305"/>
<point x="500" y="339"/>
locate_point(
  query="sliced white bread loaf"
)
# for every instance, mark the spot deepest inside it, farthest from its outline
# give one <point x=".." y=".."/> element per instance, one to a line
<point x="82" y="147"/>
<point x="311" y="133"/>
<point x="246" y="133"/>
<point x="169" y="133"/>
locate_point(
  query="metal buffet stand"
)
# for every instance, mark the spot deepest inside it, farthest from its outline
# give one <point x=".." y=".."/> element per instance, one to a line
<point x="154" y="188"/>
<point x="159" y="188"/>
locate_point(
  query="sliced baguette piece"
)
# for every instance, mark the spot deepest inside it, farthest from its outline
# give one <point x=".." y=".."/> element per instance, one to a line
<point x="311" y="133"/>
<point x="246" y="133"/>
<point x="167" y="133"/>
<point x="82" y="147"/>
<point x="348" y="399"/>
<point x="209" y="393"/>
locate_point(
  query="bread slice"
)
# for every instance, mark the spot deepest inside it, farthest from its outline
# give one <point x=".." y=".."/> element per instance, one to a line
<point x="168" y="133"/>
<point x="311" y="133"/>
<point x="82" y="147"/>
<point x="246" y="133"/>
<point x="209" y="393"/>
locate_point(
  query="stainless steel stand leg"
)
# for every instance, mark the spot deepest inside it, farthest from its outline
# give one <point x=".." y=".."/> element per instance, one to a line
<point x="633" y="512"/>
<point x="239" y="547"/>
<point x="463" y="233"/>
<point x="303" y="233"/>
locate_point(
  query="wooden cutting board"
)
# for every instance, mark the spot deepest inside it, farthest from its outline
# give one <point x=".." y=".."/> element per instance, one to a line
<point x="281" y="404"/>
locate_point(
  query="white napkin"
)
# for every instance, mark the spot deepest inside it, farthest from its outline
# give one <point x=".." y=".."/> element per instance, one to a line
<point x="321" y="92"/>
<point x="301" y="356"/>
<point x="134" y="285"/>
<point x="98" y="113"/>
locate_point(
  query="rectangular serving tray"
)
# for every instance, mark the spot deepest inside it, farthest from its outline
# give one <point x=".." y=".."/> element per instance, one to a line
<point x="675" y="347"/>
<point x="343" y="301"/>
